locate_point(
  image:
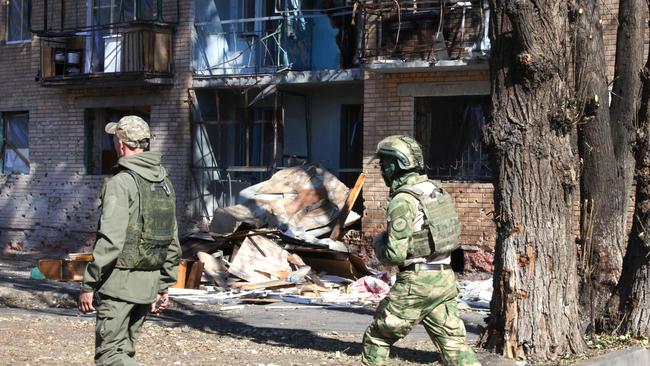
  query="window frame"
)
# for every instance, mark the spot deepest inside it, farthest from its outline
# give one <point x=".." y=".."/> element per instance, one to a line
<point x="436" y="172"/>
<point x="23" y="32"/>
<point x="4" y="144"/>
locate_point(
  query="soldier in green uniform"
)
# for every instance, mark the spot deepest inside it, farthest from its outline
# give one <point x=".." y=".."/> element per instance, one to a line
<point x="136" y="254"/>
<point x="422" y="230"/>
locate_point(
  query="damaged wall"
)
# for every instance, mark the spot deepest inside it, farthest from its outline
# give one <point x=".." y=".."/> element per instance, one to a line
<point x="55" y="207"/>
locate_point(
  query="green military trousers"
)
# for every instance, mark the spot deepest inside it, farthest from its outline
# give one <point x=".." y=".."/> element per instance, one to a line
<point x="117" y="327"/>
<point x="424" y="296"/>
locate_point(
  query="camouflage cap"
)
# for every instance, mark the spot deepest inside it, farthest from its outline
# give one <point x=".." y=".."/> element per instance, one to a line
<point x="129" y="129"/>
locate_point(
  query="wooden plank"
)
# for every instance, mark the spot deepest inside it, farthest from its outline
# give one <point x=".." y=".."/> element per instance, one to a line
<point x="182" y="274"/>
<point x="51" y="268"/>
<point x="194" y="277"/>
<point x="73" y="270"/>
<point x="268" y="284"/>
<point x="349" y="202"/>
<point x="47" y="61"/>
<point x="162" y="52"/>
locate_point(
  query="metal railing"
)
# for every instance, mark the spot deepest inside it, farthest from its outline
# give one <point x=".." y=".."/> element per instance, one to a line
<point x="429" y="30"/>
<point x="136" y="50"/>
<point x="308" y="40"/>
<point x="60" y="17"/>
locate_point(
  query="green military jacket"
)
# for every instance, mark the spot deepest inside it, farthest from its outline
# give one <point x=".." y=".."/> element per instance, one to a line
<point x="121" y="207"/>
<point x="392" y="248"/>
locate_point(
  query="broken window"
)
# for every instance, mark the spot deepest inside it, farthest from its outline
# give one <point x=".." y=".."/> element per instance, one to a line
<point x="100" y="156"/>
<point x="450" y="130"/>
<point x="236" y="143"/>
<point x="18" y="21"/>
<point x="432" y="30"/>
<point x="14" y="143"/>
<point x="351" y="146"/>
<point x="264" y="36"/>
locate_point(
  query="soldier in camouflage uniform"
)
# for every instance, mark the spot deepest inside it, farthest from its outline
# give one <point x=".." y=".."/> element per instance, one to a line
<point x="422" y="231"/>
<point x="136" y="254"/>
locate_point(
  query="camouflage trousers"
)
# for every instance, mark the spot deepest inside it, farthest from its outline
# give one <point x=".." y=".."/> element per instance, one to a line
<point x="424" y="296"/>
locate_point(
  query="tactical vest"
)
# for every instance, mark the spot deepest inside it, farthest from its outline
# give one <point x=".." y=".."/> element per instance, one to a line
<point x="440" y="232"/>
<point x="148" y="239"/>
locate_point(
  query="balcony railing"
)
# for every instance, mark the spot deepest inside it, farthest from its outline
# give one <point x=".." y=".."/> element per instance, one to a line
<point x="140" y="55"/>
<point x="308" y="39"/>
<point x="430" y="30"/>
<point x="115" y="42"/>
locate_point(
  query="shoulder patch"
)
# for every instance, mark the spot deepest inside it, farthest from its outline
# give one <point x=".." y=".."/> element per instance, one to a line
<point x="399" y="224"/>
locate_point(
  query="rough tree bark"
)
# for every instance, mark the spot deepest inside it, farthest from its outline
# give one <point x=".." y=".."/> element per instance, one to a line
<point x="632" y="314"/>
<point x="602" y="185"/>
<point x="534" y="304"/>
<point x="626" y="87"/>
<point x="606" y="135"/>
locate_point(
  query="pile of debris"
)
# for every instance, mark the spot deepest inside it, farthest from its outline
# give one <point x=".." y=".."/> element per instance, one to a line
<point x="280" y="244"/>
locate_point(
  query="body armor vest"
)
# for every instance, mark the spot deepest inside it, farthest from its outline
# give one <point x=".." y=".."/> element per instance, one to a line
<point x="148" y="239"/>
<point x="440" y="233"/>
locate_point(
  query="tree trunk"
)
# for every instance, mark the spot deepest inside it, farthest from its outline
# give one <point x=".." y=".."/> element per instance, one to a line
<point x="534" y="305"/>
<point x="627" y="84"/>
<point x="633" y="300"/>
<point x="602" y="180"/>
<point x="606" y="139"/>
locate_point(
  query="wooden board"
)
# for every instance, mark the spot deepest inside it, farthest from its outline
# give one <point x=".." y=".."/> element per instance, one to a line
<point x="73" y="270"/>
<point x="51" y="269"/>
<point x="182" y="275"/>
<point x="194" y="277"/>
<point x="345" y="211"/>
<point x="62" y="269"/>
<point x="189" y="274"/>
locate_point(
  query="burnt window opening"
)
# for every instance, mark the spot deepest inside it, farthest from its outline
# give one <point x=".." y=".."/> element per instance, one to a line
<point x="431" y="30"/>
<point x="450" y="130"/>
<point x="99" y="154"/>
<point x="18" y="21"/>
<point x="14" y="142"/>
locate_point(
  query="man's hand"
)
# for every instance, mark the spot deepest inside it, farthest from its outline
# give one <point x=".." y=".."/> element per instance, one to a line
<point x="161" y="303"/>
<point x="86" y="302"/>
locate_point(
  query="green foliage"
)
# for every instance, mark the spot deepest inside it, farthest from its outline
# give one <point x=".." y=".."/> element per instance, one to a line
<point x="613" y="342"/>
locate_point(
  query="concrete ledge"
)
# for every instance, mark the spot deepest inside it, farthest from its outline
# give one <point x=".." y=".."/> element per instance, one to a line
<point x="625" y="357"/>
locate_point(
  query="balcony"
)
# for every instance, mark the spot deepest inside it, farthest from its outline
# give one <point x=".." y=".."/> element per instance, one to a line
<point x="106" y="43"/>
<point x="234" y="37"/>
<point x="425" y="32"/>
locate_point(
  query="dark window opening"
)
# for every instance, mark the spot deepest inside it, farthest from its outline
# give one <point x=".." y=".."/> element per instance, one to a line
<point x="18" y="21"/>
<point x="351" y="147"/>
<point x="450" y="130"/>
<point x="14" y="142"/>
<point x="100" y="156"/>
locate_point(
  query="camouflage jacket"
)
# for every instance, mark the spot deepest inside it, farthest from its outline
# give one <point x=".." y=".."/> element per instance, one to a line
<point x="401" y="214"/>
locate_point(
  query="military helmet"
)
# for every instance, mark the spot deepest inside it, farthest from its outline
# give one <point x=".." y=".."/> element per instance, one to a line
<point x="404" y="149"/>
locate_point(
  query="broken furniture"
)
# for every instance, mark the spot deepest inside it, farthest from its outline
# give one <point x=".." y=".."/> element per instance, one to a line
<point x="70" y="269"/>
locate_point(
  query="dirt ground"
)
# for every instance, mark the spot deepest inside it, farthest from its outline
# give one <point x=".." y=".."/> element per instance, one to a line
<point x="39" y="325"/>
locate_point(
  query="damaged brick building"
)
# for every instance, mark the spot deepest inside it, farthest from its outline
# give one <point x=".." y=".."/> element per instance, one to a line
<point x="234" y="90"/>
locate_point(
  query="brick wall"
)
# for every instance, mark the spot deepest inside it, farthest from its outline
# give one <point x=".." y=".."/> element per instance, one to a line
<point x="55" y="207"/>
<point x="386" y="113"/>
